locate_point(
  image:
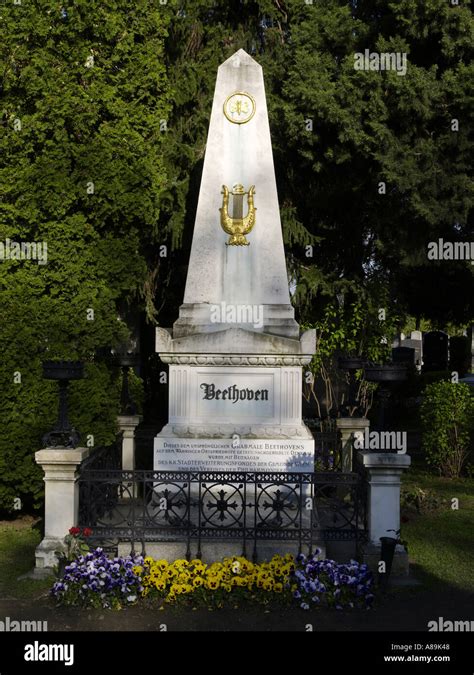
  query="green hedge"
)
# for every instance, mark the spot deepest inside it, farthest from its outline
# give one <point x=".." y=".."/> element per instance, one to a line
<point x="447" y="415"/>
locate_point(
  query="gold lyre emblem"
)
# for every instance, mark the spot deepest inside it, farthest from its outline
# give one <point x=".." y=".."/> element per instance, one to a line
<point x="239" y="107"/>
<point x="237" y="225"/>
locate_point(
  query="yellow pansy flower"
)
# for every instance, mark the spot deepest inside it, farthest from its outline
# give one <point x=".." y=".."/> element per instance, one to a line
<point x="212" y="583"/>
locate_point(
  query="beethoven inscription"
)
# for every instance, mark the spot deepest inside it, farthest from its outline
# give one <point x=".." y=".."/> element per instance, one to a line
<point x="227" y="454"/>
<point x="233" y="394"/>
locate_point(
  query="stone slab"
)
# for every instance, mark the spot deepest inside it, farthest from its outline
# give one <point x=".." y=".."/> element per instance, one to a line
<point x="226" y="454"/>
<point x="230" y="395"/>
<point x="216" y="550"/>
<point x="235" y="345"/>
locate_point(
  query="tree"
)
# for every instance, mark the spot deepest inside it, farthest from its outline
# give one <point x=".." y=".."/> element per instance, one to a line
<point x="368" y="165"/>
<point x="85" y="93"/>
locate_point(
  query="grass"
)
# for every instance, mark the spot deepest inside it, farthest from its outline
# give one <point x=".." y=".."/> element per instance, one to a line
<point x="18" y="540"/>
<point x="441" y="540"/>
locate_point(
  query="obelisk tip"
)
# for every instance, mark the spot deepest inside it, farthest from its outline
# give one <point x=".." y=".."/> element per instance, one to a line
<point x="238" y="59"/>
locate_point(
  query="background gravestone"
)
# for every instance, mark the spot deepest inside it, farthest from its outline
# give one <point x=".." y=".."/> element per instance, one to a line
<point x="460" y="354"/>
<point x="415" y="341"/>
<point x="404" y="354"/>
<point x="435" y="351"/>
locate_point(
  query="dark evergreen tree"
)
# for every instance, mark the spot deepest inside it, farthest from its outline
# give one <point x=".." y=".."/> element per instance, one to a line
<point x="339" y="133"/>
<point x="84" y="95"/>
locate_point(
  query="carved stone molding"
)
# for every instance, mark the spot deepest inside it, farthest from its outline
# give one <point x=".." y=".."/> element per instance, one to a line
<point x="235" y="360"/>
<point x="228" y="430"/>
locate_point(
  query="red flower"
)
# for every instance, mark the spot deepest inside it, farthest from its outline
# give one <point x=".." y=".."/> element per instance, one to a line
<point x="87" y="532"/>
<point x="75" y="531"/>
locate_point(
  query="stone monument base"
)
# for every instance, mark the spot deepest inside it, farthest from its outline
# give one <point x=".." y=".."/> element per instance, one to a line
<point x="45" y="554"/>
<point x="212" y="551"/>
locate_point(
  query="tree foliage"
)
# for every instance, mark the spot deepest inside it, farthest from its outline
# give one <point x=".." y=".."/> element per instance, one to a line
<point x="84" y="88"/>
<point x="104" y="115"/>
<point x="447" y="413"/>
<point x="338" y="133"/>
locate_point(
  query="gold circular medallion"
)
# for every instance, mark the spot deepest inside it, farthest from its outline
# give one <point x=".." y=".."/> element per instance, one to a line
<point x="239" y="107"/>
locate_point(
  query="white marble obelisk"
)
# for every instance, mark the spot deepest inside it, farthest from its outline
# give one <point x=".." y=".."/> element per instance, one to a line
<point x="235" y="352"/>
<point x="238" y="151"/>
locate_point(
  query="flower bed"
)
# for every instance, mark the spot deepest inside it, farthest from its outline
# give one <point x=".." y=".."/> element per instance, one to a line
<point x="334" y="585"/>
<point x="94" y="580"/>
<point x="236" y="579"/>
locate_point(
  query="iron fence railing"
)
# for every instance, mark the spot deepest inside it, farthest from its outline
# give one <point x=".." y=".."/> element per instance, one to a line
<point x="250" y="507"/>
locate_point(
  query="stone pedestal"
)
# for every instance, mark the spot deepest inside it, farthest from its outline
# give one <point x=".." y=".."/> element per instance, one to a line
<point x="235" y="402"/>
<point x="61" y="499"/>
<point x="383" y="503"/>
<point x="127" y="425"/>
<point x="349" y="427"/>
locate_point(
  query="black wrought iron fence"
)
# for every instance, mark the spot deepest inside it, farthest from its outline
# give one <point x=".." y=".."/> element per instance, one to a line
<point x="363" y="488"/>
<point x="193" y="507"/>
<point x="107" y="457"/>
<point x="101" y="459"/>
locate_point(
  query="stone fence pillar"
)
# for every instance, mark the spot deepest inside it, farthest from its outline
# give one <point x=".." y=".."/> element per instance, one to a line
<point x="384" y="471"/>
<point x="61" y="500"/>
<point x="349" y="426"/>
<point x="127" y="425"/>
